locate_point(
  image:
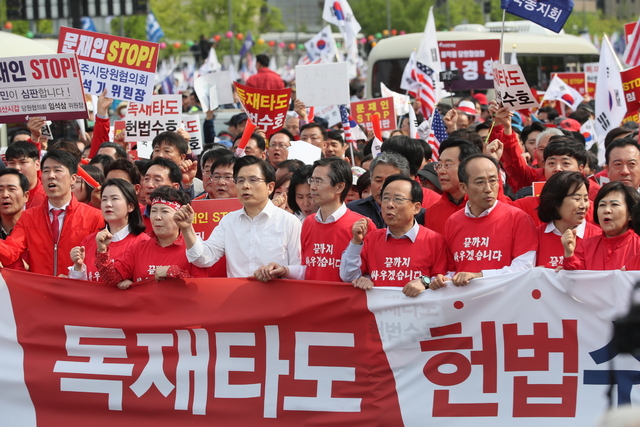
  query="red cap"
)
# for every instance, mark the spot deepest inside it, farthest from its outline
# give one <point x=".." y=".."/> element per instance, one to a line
<point x="481" y="98"/>
<point x="571" y="125"/>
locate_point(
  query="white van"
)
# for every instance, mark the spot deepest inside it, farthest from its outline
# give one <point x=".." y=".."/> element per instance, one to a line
<point x="540" y="52"/>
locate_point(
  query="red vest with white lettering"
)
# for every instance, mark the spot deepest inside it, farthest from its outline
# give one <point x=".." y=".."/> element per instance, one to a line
<point x="394" y="262"/>
<point x="550" y="250"/>
<point x="322" y="245"/>
<point x="490" y="242"/>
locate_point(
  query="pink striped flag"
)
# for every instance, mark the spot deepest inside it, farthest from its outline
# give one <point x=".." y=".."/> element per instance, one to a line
<point x="632" y="53"/>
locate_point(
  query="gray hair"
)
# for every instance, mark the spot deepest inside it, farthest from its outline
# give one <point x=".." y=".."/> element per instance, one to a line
<point x="547" y="134"/>
<point x="392" y="159"/>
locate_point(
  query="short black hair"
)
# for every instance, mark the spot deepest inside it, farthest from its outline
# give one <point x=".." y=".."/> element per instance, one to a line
<point x="533" y="127"/>
<point x="136" y="224"/>
<point x="120" y="152"/>
<point x="260" y="142"/>
<point x="126" y="166"/>
<point x="175" y="174"/>
<point x="416" y="188"/>
<point x="104" y="159"/>
<point x="12" y="137"/>
<point x="409" y="148"/>
<point x="619" y="143"/>
<point x="339" y="171"/>
<point x="67" y="145"/>
<point x="299" y="176"/>
<point x="467" y="148"/>
<point x="336" y="135"/>
<point x="315" y="125"/>
<point x="631" y="196"/>
<point x="614" y="134"/>
<point x="24" y="182"/>
<point x="363" y="182"/>
<point x="214" y="154"/>
<point x="463" y="176"/>
<point x="63" y="157"/>
<point x="20" y="149"/>
<point x="566" y="146"/>
<point x="268" y="172"/>
<point x="170" y="194"/>
<point x="557" y="187"/>
<point x="172" y="139"/>
<point x="291" y="165"/>
<point x="470" y="136"/>
<point x="228" y="160"/>
<point x="262" y="59"/>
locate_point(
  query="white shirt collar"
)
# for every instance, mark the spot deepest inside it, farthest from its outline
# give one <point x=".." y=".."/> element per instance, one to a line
<point x="64" y="208"/>
<point x="411" y="234"/>
<point x="267" y="210"/>
<point x="334" y="216"/>
<point x="468" y="213"/>
<point x="551" y="228"/>
<point x="120" y="235"/>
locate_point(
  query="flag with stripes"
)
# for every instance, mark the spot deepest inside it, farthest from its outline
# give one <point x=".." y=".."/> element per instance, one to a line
<point x="428" y="68"/>
<point x="632" y="53"/>
<point x="167" y="85"/>
<point x="437" y="134"/>
<point x="346" y="125"/>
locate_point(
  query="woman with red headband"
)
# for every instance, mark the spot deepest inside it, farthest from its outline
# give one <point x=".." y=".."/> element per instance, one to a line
<point x="164" y="255"/>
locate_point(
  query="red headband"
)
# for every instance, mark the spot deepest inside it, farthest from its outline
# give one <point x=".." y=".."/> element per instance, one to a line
<point x="174" y="205"/>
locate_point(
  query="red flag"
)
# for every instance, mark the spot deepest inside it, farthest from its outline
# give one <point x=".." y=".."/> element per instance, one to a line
<point x="632" y="53"/>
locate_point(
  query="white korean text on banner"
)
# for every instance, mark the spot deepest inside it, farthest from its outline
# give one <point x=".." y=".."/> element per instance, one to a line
<point x="192" y="126"/>
<point x="196" y="351"/>
<point x="125" y="67"/>
<point x="145" y="122"/>
<point x="472" y="58"/>
<point x="47" y="86"/>
<point x="512" y="89"/>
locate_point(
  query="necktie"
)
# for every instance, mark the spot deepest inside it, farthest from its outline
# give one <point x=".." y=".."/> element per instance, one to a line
<point x="55" y="224"/>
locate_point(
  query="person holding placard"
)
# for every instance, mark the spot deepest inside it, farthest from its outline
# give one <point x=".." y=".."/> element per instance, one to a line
<point x="265" y="78"/>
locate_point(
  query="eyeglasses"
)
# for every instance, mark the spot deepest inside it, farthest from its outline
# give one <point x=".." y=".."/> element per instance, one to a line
<point x="279" y="146"/>
<point x="216" y="178"/>
<point x="445" y="166"/>
<point x="482" y="183"/>
<point x="397" y="200"/>
<point x="253" y="180"/>
<point x="316" y="181"/>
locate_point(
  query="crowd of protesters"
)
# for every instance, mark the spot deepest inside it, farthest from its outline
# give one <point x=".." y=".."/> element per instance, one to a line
<point x="397" y="219"/>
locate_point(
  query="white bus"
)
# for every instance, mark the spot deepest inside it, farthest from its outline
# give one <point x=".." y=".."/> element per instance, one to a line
<point x="540" y="52"/>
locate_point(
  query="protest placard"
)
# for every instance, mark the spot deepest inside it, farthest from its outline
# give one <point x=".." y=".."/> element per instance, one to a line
<point x="473" y="59"/>
<point x="220" y="83"/>
<point x="551" y="14"/>
<point x="591" y="74"/>
<point x="331" y="113"/>
<point x="46" y="86"/>
<point x="631" y="87"/>
<point x="144" y="122"/>
<point x="191" y="124"/>
<point x="323" y="84"/>
<point x="362" y="111"/>
<point x="124" y="67"/>
<point x="511" y="87"/>
<point x="305" y="152"/>
<point x="266" y="108"/>
<point x="208" y="213"/>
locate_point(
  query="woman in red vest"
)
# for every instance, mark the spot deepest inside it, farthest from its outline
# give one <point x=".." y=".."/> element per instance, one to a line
<point x="119" y="205"/>
<point x="616" y="243"/>
<point x="564" y="204"/>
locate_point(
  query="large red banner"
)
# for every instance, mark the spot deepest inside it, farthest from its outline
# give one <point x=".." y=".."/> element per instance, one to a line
<point x="473" y="59"/>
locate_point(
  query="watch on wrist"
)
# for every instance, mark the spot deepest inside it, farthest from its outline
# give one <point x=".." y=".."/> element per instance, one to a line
<point x="426" y="281"/>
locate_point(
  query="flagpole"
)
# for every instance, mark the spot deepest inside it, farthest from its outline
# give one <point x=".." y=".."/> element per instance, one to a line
<point x="606" y="38"/>
<point x="504" y="17"/>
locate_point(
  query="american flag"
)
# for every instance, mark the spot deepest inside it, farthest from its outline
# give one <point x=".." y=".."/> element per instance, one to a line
<point x="346" y="125"/>
<point x="632" y="53"/>
<point x="167" y="85"/>
<point x="437" y="134"/>
<point x="306" y="60"/>
<point x="426" y="93"/>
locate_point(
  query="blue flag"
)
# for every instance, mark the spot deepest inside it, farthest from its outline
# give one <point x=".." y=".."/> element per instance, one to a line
<point x="247" y="45"/>
<point x="87" y="24"/>
<point x="154" y="32"/>
<point x="551" y="14"/>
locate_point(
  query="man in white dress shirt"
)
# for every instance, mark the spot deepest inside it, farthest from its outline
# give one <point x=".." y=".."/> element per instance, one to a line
<point x="256" y="235"/>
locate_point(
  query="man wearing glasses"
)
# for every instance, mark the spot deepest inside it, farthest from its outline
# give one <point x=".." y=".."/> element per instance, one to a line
<point x="256" y="235"/>
<point x="488" y="237"/>
<point x="404" y="254"/>
<point x="218" y="180"/>
<point x="278" y="150"/>
<point x="326" y="234"/>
